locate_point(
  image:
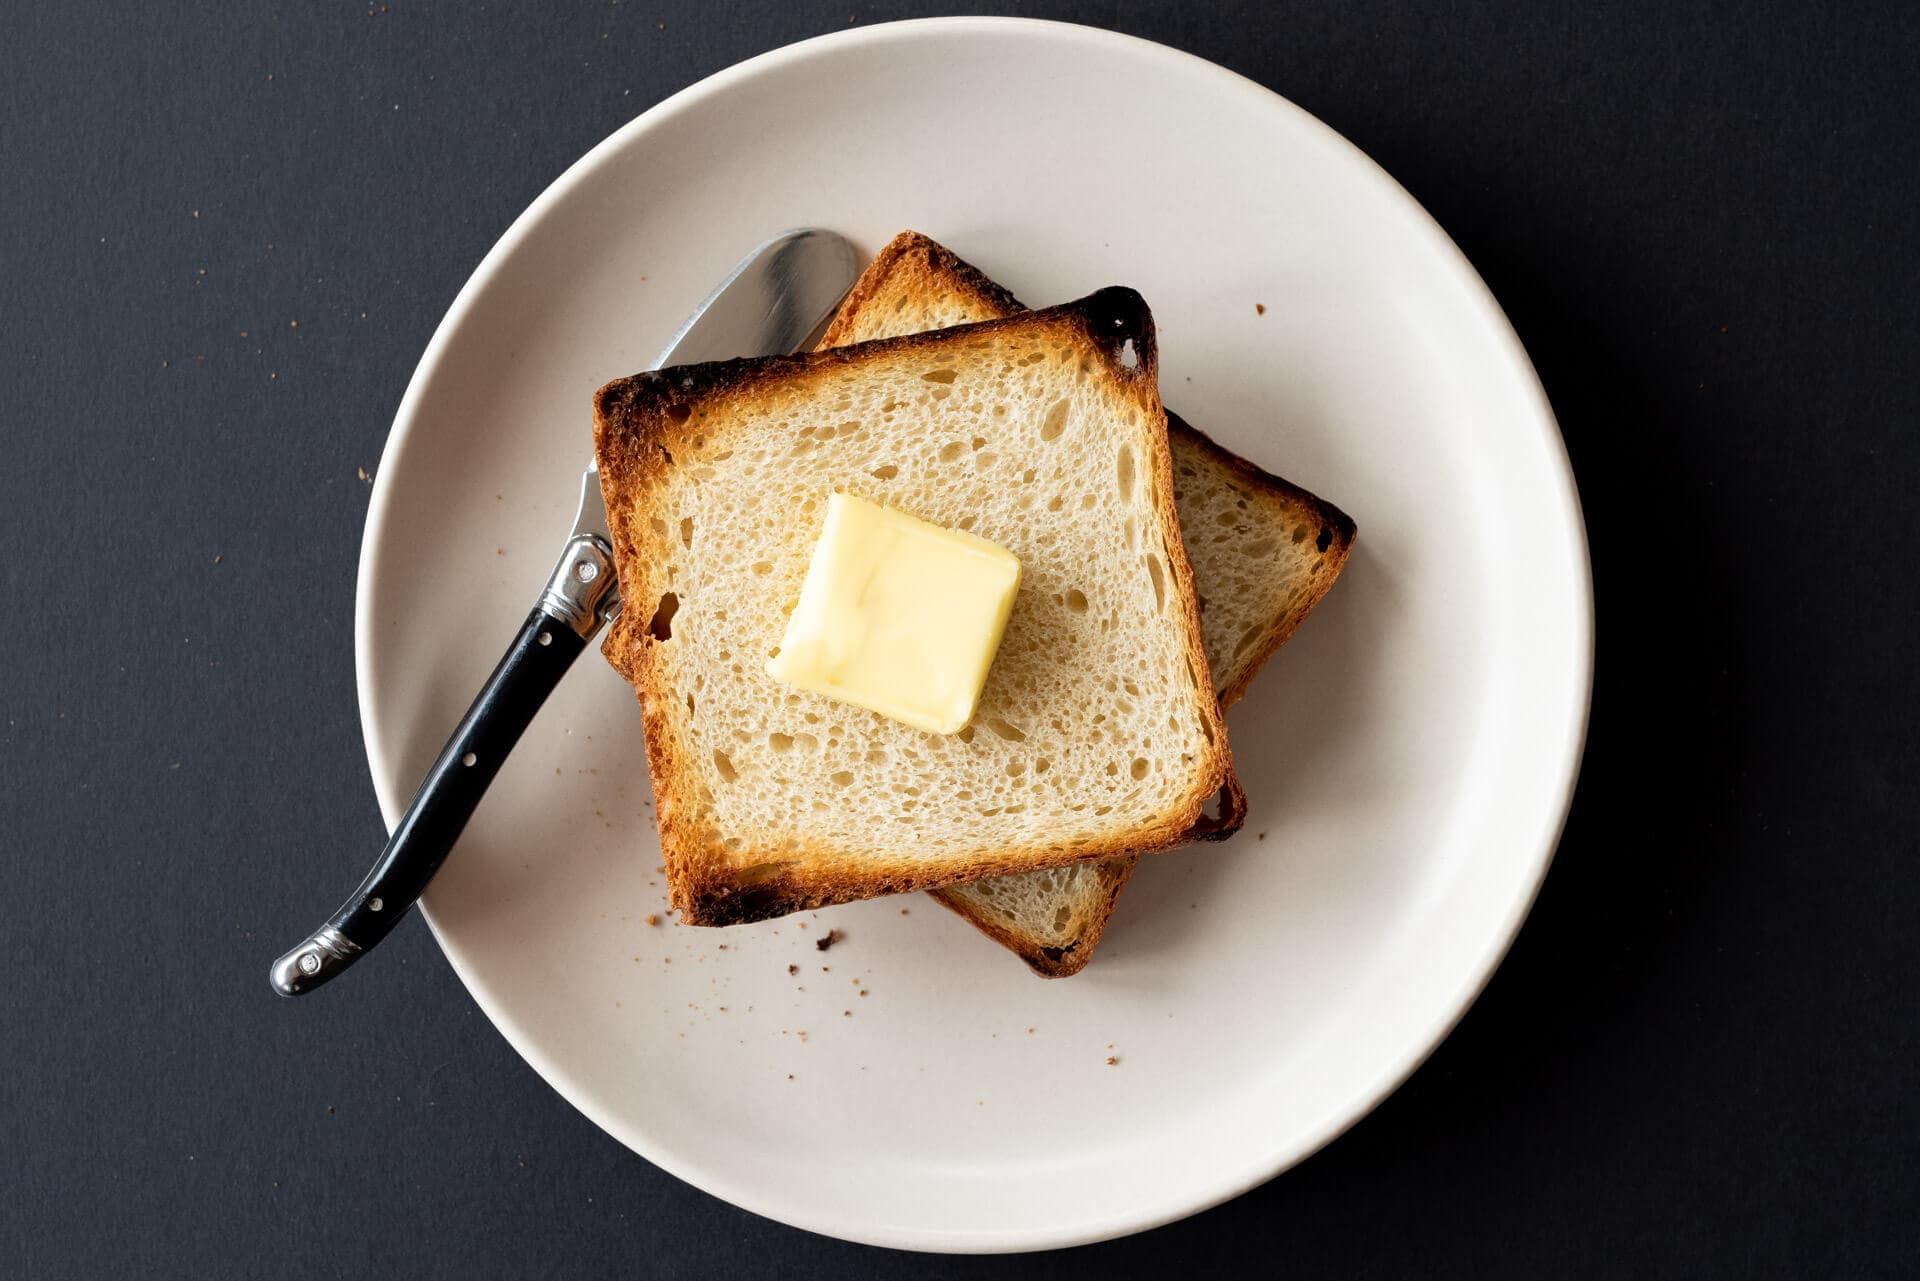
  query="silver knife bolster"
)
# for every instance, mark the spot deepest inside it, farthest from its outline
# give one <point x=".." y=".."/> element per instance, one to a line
<point x="583" y="592"/>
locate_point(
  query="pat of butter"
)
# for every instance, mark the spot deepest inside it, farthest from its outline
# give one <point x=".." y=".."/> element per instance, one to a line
<point x="898" y="616"/>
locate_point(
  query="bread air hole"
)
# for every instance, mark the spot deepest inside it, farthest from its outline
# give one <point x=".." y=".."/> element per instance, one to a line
<point x="1139" y="768"/>
<point x="1076" y="600"/>
<point x="724" y="764"/>
<point x="1159" y="581"/>
<point x="885" y="473"/>
<point x="952" y="451"/>
<point x="686" y="532"/>
<point x="780" y="742"/>
<point x="941" y="375"/>
<point x="1006" y="729"/>
<point x="661" y="628"/>
<point x="1124" y="473"/>
<point x="1055" y="422"/>
<point x="841" y="778"/>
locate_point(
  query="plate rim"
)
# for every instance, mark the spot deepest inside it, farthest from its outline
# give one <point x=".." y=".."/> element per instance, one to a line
<point x="392" y="799"/>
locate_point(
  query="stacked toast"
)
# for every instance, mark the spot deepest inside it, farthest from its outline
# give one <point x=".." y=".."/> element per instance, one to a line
<point x="1158" y="573"/>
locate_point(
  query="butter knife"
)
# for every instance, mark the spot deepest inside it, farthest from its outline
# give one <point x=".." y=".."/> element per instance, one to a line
<point x="775" y="300"/>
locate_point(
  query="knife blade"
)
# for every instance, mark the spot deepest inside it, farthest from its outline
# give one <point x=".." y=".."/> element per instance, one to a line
<point x="775" y="300"/>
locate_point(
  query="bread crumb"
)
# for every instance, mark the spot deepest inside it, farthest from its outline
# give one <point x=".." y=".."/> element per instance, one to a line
<point x="651" y="919"/>
<point x="833" y="936"/>
<point x="1259" y="309"/>
<point x="362" y="473"/>
<point x="846" y="1014"/>
<point x="1029" y="1031"/>
<point x="1259" y="836"/>
<point x="216" y="560"/>
<point x="863" y="991"/>
<point x="1113" y="1060"/>
<point x="793" y="969"/>
<point x="903" y="911"/>
<point x="789" y="1076"/>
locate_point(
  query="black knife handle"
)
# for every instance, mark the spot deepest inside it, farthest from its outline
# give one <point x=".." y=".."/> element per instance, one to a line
<point x="539" y="656"/>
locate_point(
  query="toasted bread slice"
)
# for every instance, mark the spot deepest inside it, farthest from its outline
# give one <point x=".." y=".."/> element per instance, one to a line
<point x="1263" y="551"/>
<point x="1098" y="731"/>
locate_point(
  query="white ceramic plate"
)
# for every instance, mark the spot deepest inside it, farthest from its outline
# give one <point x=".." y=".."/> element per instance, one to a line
<point x="1409" y="756"/>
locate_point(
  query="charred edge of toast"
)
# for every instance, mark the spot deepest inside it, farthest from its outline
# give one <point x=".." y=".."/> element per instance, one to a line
<point x="703" y="898"/>
<point x="1231" y="801"/>
<point x="1047" y="961"/>
<point x="1112" y="319"/>
<point x="912" y="251"/>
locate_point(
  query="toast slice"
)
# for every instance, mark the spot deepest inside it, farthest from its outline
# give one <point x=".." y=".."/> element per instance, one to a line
<point x="1098" y="731"/>
<point x="1263" y="552"/>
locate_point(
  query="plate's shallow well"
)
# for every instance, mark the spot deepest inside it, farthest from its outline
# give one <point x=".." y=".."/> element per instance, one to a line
<point x="1409" y="756"/>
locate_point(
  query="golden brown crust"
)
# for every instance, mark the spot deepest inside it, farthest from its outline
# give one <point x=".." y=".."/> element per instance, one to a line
<point x="641" y="423"/>
<point x="919" y="259"/>
<point x="1054" y="962"/>
<point x="1308" y="514"/>
<point x="1047" y="961"/>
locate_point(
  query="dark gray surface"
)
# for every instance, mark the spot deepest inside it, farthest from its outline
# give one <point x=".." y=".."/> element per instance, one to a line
<point x="1697" y="1060"/>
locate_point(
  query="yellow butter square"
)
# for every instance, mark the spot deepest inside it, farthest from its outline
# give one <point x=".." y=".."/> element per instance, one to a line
<point x="898" y="615"/>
